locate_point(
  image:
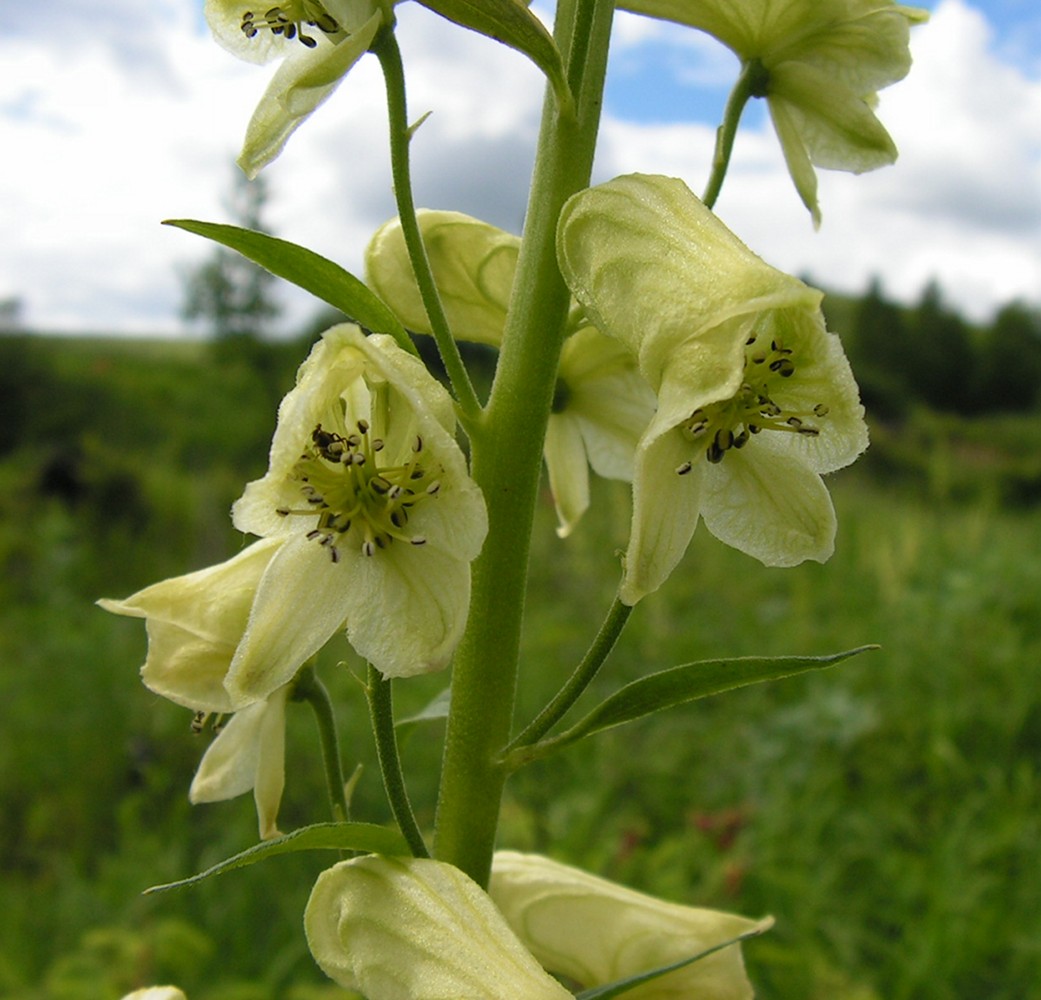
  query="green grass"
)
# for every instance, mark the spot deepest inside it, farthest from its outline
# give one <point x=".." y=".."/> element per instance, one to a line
<point x="887" y="811"/>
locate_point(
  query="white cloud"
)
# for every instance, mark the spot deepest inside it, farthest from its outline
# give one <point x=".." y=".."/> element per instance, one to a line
<point x="104" y="148"/>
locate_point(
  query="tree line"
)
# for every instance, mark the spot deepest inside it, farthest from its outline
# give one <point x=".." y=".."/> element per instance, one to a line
<point x="928" y="354"/>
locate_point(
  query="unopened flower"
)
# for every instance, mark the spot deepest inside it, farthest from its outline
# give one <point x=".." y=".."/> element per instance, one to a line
<point x="369" y="494"/>
<point x="596" y="932"/>
<point x="755" y="398"/>
<point x="319" y="40"/>
<point x="195" y="623"/>
<point x="601" y="402"/>
<point x="819" y="64"/>
<point x="392" y="928"/>
<point x="156" y="993"/>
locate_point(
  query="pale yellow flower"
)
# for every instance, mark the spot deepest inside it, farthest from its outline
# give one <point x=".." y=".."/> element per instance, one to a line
<point x="369" y="494"/>
<point x="601" y="404"/>
<point x="596" y="932"/>
<point x="318" y="40"/>
<point x="820" y="64"/>
<point x="397" y="928"/>
<point x="755" y="398"/>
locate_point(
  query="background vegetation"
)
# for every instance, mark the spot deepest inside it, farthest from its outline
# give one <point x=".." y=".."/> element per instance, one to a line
<point x="887" y="812"/>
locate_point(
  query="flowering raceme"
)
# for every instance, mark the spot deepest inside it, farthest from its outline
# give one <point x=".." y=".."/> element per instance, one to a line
<point x="755" y="397"/>
<point x="596" y="932"/>
<point x="320" y="41"/>
<point x="819" y="63"/>
<point x="601" y="403"/>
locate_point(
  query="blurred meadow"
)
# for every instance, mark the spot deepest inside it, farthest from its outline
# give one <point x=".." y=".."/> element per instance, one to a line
<point x="886" y="811"/>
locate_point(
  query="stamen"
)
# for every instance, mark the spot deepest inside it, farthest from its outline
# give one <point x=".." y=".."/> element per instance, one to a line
<point x="730" y="424"/>
<point x="288" y="21"/>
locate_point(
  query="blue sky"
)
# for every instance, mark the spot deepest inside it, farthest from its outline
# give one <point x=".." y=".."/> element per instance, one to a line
<point x="116" y="117"/>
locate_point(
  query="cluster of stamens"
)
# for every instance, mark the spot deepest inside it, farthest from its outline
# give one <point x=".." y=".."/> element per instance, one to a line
<point x="278" y="22"/>
<point x="752" y="409"/>
<point x="343" y="484"/>
<point x="201" y="717"/>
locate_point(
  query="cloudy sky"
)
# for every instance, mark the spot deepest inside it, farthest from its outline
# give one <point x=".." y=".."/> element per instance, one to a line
<point x="116" y="115"/>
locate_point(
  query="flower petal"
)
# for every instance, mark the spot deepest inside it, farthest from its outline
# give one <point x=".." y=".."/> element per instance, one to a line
<point x="406" y="607"/>
<point x="303" y="81"/>
<point x="565" y="455"/>
<point x="249" y="753"/>
<point x="408" y="927"/>
<point x="666" y="507"/>
<point x="300" y="603"/>
<point x="596" y="932"/>
<point x="836" y="125"/>
<point x="194" y="623"/>
<point x="607" y="397"/>
<point x="211" y="603"/>
<point x="770" y="507"/>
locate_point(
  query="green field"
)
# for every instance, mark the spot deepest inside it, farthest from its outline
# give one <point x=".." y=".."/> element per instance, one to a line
<point x="887" y="811"/>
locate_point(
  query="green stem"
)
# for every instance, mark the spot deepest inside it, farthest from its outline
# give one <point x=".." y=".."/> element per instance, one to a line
<point x="386" y="49"/>
<point x="584" y="673"/>
<point x="381" y="711"/>
<point x="310" y="689"/>
<point x="751" y="83"/>
<point x="507" y="457"/>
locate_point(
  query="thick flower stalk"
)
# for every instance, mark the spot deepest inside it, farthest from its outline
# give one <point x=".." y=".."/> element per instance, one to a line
<point x="369" y="494"/>
<point x="755" y="397"/>
<point x="819" y="64"/>
<point x="601" y="402"/>
<point x="195" y="623"/>
<point x="318" y="40"/>
<point x="596" y="932"/>
<point x="392" y="928"/>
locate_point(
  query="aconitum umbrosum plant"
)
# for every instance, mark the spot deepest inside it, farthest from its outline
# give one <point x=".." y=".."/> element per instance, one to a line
<point x="638" y="339"/>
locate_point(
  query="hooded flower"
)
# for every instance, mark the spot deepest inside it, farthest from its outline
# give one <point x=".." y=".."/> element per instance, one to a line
<point x="195" y="623"/>
<point x="368" y="493"/>
<point x="409" y="927"/>
<point x="819" y="63"/>
<point x="596" y="932"/>
<point x="601" y="403"/>
<point x="320" y="41"/>
<point x="755" y="398"/>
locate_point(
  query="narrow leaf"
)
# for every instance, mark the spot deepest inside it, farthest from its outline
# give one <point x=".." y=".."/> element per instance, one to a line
<point x="668" y="688"/>
<point x="366" y="837"/>
<point x="620" y="986"/>
<point x="308" y="270"/>
<point x="510" y="22"/>
<point x="432" y="711"/>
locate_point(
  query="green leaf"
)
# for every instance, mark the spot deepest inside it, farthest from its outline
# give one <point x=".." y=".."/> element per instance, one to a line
<point x="432" y="711"/>
<point x="510" y="22"/>
<point x="668" y="688"/>
<point x="308" y="270"/>
<point x="620" y="986"/>
<point x="365" y="837"/>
